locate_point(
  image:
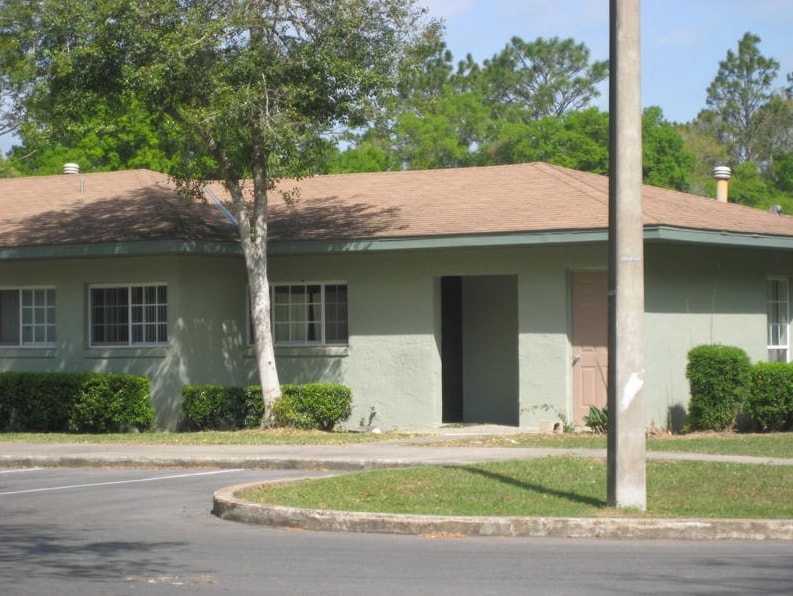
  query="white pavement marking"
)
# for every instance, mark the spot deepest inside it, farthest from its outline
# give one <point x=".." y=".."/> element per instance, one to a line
<point x="152" y="479"/>
<point x="22" y="470"/>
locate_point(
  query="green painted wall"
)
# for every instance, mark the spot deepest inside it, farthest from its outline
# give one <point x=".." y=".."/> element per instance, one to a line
<point x="202" y="317"/>
<point x="698" y="296"/>
<point x="694" y="295"/>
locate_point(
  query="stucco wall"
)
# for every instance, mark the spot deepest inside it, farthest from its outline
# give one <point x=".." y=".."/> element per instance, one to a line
<point x="203" y="322"/>
<point x="392" y="363"/>
<point x="694" y="295"/>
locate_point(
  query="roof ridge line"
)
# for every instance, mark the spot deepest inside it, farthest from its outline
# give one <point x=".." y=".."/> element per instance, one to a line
<point x="564" y="174"/>
<point x="567" y="174"/>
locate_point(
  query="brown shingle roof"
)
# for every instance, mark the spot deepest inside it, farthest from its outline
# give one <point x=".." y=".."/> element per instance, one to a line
<point x="142" y="205"/>
<point x="487" y="200"/>
<point x="129" y="206"/>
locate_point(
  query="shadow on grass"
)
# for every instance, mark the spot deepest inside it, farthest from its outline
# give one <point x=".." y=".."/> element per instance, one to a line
<point x="537" y="488"/>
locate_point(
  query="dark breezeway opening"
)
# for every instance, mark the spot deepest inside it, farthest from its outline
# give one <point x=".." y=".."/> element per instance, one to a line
<point x="452" y="348"/>
<point x="479" y="339"/>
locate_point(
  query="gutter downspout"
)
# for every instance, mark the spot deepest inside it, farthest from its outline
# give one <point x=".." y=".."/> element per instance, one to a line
<point x="214" y="198"/>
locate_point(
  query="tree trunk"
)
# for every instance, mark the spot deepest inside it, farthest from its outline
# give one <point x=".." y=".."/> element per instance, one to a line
<point x="259" y="287"/>
<point x="252" y="220"/>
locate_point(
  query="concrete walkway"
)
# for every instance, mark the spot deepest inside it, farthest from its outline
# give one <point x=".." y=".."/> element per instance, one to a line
<point x="400" y="453"/>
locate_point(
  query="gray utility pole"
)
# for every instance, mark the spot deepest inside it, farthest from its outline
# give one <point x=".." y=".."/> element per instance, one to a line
<point x="627" y="483"/>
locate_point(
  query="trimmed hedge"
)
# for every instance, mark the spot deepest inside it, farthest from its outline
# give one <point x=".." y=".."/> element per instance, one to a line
<point x="110" y="403"/>
<point x="312" y="406"/>
<point x="770" y="404"/>
<point x="720" y="381"/>
<point x="74" y="402"/>
<point x="215" y="407"/>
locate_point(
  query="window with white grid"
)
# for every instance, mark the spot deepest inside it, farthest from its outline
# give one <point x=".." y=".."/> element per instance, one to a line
<point x="778" y="320"/>
<point x="308" y="314"/>
<point x="27" y="317"/>
<point x="134" y="315"/>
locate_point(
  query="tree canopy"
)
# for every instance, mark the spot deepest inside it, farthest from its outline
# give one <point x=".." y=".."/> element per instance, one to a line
<point x="748" y="125"/>
<point x="545" y="77"/>
<point x="740" y="98"/>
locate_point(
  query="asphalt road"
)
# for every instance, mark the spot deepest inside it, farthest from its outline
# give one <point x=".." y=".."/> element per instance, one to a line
<point x="108" y="532"/>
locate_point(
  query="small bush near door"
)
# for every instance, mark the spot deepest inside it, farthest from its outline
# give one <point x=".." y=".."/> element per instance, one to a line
<point x="720" y="382"/>
<point x="597" y="420"/>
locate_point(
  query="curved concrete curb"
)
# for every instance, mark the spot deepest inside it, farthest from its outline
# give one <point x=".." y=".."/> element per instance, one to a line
<point x="203" y="462"/>
<point x="228" y="506"/>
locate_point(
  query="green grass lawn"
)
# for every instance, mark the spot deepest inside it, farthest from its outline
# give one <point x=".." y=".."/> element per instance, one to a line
<point x="240" y="437"/>
<point x="551" y="486"/>
<point x="762" y="445"/>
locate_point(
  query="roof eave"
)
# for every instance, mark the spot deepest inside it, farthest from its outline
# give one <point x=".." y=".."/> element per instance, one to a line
<point x="664" y="234"/>
<point x="518" y="239"/>
<point x="306" y="247"/>
<point x="116" y="249"/>
<point x="717" y="238"/>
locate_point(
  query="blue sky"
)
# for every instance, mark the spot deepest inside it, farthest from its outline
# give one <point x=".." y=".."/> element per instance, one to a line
<point x="682" y="40"/>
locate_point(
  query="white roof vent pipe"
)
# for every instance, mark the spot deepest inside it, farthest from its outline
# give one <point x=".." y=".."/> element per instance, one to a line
<point x="71" y="168"/>
<point x="722" y="175"/>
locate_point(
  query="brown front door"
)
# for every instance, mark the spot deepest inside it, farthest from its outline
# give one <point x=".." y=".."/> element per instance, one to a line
<point x="590" y="342"/>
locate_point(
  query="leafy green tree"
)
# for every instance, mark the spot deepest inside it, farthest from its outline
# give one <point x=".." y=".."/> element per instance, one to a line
<point x="127" y="137"/>
<point x="445" y="135"/>
<point x="366" y="156"/>
<point x="436" y="120"/>
<point x="738" y="98"/>
<point x="250" y="87"/>
<point x="6" y="169"/>
<point x="470" y="115"/>
<point x="578" y="140"/>
<point x="665" y="161"/>
<point x="782" y="172"/>
<point x="748" y="186"/>
<point x="547" y="77"/>
<point x="708" y="150"/>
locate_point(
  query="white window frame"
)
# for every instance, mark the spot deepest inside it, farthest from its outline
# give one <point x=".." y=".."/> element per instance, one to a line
<point x="778" y="320"/>
<point x="300" y="339"/>
<point x="33" y="322"/>
<point x="149" y="316"/>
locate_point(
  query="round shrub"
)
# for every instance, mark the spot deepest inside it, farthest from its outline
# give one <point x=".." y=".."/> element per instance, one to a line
<point x="289" y="411"/>
<point x="327" y="404"/>
<point x="719" y="379"/>
<point x="312" y="406"/>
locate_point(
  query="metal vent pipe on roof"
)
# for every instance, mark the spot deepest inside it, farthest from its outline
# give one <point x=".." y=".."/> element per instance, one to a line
<point x="722" y="175"/>
<point x="71" y="168"/>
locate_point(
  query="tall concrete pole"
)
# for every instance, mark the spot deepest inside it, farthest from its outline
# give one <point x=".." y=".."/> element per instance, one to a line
<point x="627" y="485"/>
